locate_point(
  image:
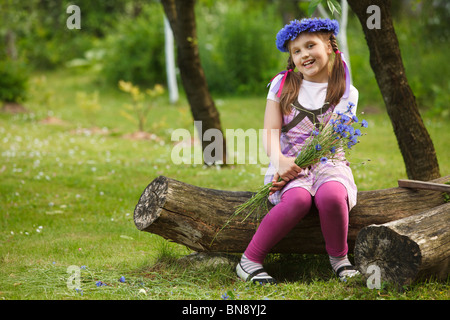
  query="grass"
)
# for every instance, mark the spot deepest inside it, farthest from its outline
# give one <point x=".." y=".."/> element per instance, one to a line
<point x="67" y="195"/>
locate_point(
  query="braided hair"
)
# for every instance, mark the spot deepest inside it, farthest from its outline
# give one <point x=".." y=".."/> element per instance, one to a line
<point x="336" y="79"/>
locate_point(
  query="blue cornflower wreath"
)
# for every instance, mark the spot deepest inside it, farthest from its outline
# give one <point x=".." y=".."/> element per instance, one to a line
<point x="295" y="27"/>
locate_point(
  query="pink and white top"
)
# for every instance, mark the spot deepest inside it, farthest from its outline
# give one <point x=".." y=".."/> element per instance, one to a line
<point x="312" y="97"/>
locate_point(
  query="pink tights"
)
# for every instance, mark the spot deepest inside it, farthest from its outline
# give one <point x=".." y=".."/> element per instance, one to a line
<point x="331" y="202"/>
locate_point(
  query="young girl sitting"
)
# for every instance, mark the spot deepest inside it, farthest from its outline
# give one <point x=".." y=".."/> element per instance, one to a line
<point x="317" y="94"/>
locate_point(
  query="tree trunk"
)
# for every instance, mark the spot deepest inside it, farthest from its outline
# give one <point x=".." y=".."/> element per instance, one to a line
<point x="181" y="16"/>
<point x="406" y="249"/>
<point x="413" y="139"/>
<point x="10" y="41"/>
<point x="193" y="216"/>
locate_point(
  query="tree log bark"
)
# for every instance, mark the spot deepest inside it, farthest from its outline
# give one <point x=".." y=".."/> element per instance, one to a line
<point x="406" y="249"/>
<point x="193" y="216"/>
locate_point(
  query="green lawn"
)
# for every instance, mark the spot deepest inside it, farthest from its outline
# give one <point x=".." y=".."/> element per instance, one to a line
<point x="68" y="191"/>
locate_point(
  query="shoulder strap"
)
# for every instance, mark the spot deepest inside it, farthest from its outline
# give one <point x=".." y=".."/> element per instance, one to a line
<point x="304" y="113"/>
<point x="293" y="122"/>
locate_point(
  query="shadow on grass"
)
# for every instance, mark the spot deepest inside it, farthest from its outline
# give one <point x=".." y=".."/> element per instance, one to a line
<point x="288" y="268"/>
<point x="304" y="268"/>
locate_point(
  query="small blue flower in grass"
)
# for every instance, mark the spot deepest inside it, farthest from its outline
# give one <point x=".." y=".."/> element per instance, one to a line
<point x="357" y="132"/>
<point x="315" y="132"/>
<point x="323" y="159"/>
<point x="333" y="149"/>
<point x="364" y="124"/>
<point x="225" y="296"/>
<point x="122" y="279"/>
<point x="100" y="284"/>
<point x="318" y="147"/>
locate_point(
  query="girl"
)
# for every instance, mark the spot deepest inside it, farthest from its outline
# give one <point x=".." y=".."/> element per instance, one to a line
<point x="295" y="102"/>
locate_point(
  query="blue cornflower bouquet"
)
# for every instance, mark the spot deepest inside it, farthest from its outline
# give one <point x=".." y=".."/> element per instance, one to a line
<point x="324" y="144"/>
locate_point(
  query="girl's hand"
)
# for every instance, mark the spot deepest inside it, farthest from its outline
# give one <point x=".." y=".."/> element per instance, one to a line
<point x="288" y="170"/>
<point x="276" y="185"/>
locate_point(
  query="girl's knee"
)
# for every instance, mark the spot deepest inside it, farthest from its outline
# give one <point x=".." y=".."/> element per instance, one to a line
<point x="296" y="203"/>
<point x="332" y="191"/>
<point x="331" y="196"/>
<point x="297" y="197"/>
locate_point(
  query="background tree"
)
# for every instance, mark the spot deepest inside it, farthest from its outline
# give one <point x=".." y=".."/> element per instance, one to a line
<point x="386" y="61"/>
<point x="181" y="15"/>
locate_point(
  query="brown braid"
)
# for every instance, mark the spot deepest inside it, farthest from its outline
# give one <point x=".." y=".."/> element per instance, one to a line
<point x="291" y="87"/>
<point x="336" y="80"/>
<point x="333" y="43"/>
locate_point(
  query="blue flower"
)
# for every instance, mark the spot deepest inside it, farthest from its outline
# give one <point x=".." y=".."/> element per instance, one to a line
<point x="333" y="149"/>
<point x="355" y="119"/>
<point x="323" y="159"/>
<point x="315" y="132"/>
<point x="225" y="296"/>
<point x="364" y="124"/>
<point x="339" y="128"/>
<point x="318" y="147"/>
<point x="349" y="144"/>
<point x="122" y="279"/>
<point x="345" y="118"/>
<point x="100" y="284"/>
<point x="357" y="132"/>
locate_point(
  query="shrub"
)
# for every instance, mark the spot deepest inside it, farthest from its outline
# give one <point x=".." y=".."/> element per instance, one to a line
<point x="13" y="81"/>
<point x="135" y="49"/>
<point x="237" y="48"/>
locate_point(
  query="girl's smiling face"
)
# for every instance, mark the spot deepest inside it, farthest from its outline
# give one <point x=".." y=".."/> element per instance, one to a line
<point x="311" y="53"/>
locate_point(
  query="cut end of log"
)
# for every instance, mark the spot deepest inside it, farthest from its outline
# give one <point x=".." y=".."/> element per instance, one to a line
<point x="397" y="257"/>
<point x="150" y="203"/>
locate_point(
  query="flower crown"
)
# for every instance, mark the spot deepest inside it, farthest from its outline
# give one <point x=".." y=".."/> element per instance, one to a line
<point x="295" y="27"/>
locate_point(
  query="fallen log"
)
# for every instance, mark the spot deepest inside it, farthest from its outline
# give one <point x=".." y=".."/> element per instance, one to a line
<point x="193" y="216"/>
<point x="404" y="250"/>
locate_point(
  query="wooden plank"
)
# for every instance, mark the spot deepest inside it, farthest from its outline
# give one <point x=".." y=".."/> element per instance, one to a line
<point x="426" y="185"/>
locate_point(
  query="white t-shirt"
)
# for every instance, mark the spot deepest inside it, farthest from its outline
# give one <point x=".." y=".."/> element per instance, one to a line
<point x="312" y="95"/>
